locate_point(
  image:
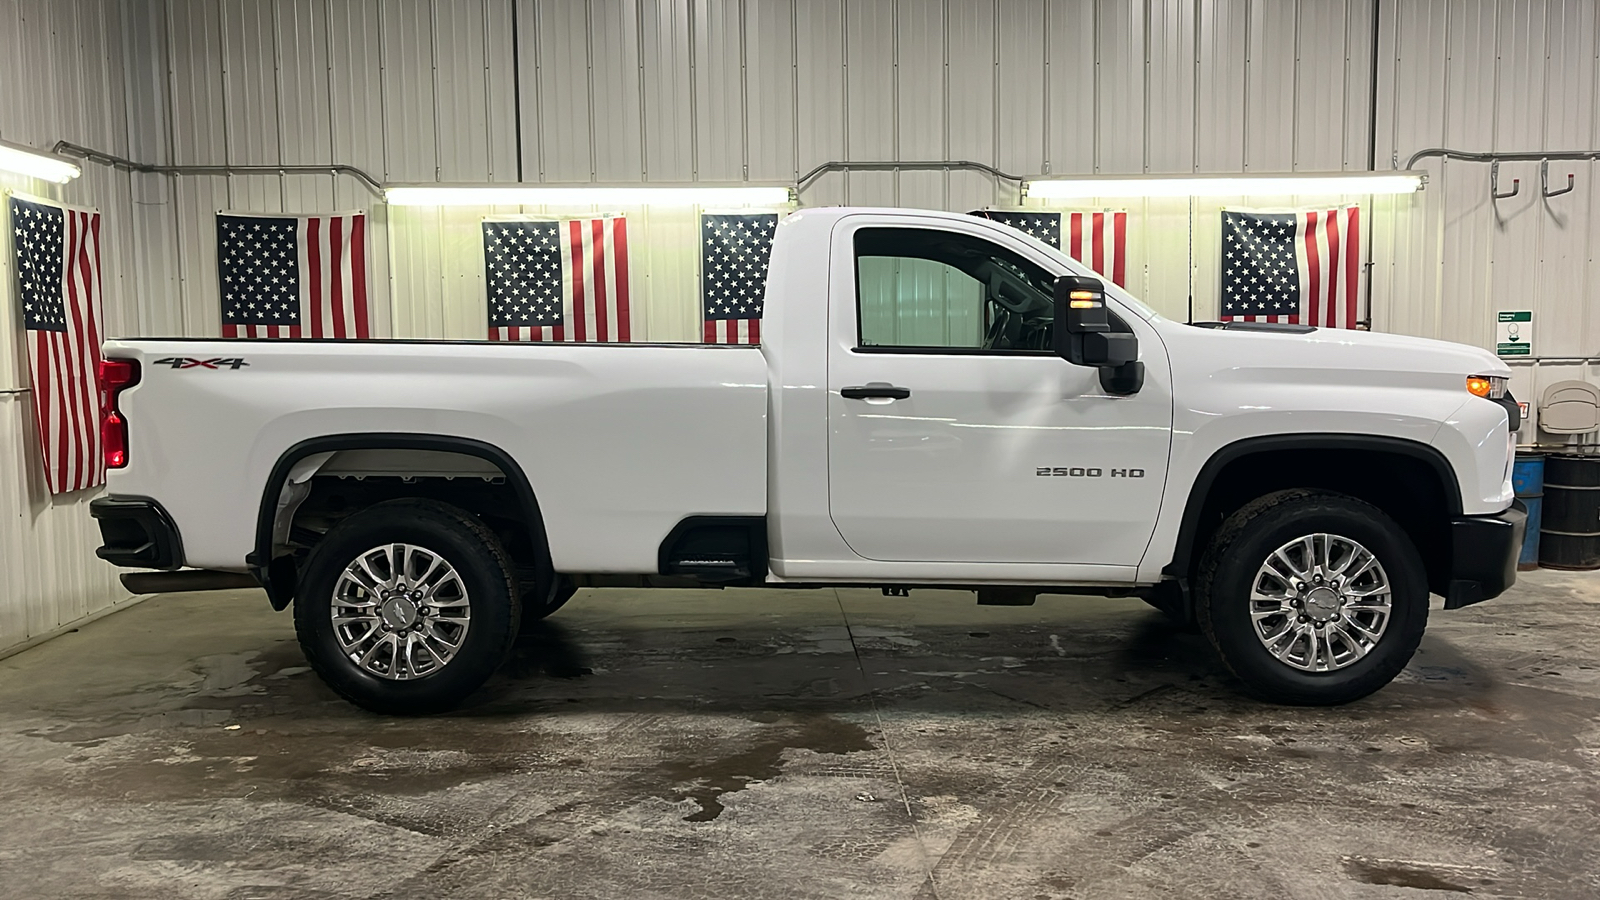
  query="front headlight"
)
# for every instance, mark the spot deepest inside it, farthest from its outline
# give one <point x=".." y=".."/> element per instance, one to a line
<point x="1489" y="387"/>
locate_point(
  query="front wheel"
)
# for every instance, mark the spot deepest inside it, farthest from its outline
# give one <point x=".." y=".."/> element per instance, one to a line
<point x="1312" y="598"/>
<point x="407" y="607"/>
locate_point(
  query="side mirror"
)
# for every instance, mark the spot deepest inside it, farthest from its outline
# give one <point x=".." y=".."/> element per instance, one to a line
<point x="1083" y="334"/>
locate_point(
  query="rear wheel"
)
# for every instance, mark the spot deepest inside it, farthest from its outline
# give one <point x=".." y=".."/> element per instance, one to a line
<point x="407" y="607"/>
<point x="1312" y="598"/>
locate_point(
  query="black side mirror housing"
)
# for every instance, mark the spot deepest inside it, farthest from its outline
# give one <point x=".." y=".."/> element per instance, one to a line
<point x="1083" y="335"/>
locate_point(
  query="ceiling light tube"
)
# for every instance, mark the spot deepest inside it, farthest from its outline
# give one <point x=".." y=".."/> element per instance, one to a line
<point x="588" y="195"/>
<point x="1321" y="184"/>
<point x="36" y="163"/>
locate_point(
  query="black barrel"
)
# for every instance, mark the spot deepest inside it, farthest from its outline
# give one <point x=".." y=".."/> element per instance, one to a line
<point x="1569" y="537"/>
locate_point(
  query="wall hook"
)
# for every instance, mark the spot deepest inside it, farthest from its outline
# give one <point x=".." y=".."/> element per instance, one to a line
<point x="1494" y="183"/>
<point x="1544" y="181"/>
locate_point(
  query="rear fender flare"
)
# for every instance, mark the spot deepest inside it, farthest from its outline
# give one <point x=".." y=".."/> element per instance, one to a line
<point x="279" y="576"/>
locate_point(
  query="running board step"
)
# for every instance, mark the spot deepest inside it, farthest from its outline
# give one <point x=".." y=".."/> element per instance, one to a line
<point x="186" y="580"/>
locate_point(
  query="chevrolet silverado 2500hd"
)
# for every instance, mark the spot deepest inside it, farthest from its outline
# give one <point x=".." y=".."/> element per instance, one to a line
<point x="938" y="401"/>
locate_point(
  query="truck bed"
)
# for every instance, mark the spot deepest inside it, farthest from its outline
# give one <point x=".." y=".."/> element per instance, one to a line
<point x="619" y="442"/>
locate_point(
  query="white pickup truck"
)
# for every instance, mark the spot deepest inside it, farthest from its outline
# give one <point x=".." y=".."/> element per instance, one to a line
<point x="938" y="401"/>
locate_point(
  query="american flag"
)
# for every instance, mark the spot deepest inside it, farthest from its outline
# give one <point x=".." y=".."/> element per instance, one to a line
<point x="558" y="281"/>
<point x="1039" y="224"/>
<point x="294" y="276"/>
<point x="734" y="251"/>
<point x="1300" y="267"/>
<point x="1096" y="239"/>
<point x="58" y="279"/>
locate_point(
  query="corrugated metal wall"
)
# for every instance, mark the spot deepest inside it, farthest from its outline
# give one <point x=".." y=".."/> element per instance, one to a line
<point x="620" y="91"/>
<point x="1508" y="75"/>
<point x="62" y="75"/>
<point x="762" y="90"/>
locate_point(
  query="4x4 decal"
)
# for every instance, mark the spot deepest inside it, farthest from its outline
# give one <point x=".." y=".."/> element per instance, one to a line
<point x="188" y="362"/>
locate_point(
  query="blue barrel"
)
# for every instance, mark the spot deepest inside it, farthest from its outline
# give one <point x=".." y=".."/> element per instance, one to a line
<point x="1527" y="480"/>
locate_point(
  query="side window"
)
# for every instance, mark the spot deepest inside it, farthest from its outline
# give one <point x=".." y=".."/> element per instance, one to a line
<point x="925" y="288"/>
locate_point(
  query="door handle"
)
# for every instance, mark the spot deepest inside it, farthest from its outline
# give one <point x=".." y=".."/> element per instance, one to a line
<point x="875" y="389"/>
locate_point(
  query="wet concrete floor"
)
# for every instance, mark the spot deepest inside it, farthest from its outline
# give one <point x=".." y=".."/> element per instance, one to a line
<point x="802" y="744"/>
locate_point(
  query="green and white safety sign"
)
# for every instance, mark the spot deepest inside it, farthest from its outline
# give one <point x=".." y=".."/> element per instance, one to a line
<point x="1514" y="332"/>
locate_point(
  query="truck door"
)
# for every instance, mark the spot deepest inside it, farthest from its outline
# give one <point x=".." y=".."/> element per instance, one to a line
<point x="955" y="433"/>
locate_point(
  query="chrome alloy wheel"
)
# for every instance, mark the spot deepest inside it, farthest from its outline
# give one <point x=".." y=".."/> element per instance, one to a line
<point x="1320" y="602"/>
<point x="400" y="612"/>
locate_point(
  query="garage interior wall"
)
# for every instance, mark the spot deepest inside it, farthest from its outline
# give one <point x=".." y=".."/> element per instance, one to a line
<point x="63" y="74"/>
<point x="621" y="91"/>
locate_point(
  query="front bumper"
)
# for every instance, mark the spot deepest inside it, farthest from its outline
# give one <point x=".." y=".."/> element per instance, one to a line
<point x="138" y="533"/>
<point x="1483" y="555"/>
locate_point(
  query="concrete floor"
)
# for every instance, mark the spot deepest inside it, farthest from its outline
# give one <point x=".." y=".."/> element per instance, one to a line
<point x="805" y="744"/>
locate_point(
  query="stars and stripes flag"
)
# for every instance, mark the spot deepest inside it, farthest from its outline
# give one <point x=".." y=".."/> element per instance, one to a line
<point x="1299" y="267"/>
<point x="1098" y="239"/>
<point x="293" y="276"/>
<point x="735" y="249"/>
<point x="558" y="281"/>
<point x="57" y="251"/>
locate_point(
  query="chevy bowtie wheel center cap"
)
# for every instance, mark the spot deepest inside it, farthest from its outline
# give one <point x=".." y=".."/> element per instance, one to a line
<point x="399" y="613"/>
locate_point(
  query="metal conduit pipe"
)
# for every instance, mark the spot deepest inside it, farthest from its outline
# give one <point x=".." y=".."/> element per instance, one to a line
<point x="888" y="165"/>
<point x="66" y="148"/>
<point x="1508" y="156"/>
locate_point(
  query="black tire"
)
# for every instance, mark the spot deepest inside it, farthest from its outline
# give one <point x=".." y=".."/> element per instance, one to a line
<point x="1240" y="548"/>
<point x="485" y="573"/>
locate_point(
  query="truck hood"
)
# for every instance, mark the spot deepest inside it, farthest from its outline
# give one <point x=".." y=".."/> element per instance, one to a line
<point x="1359" y="356"/>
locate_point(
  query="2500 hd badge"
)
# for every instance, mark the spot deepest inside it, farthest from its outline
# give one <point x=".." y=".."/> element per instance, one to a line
<point x="1082" y="472"/>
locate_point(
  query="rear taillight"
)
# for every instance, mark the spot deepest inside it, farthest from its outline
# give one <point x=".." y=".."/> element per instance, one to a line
<point x="116" y="376"/>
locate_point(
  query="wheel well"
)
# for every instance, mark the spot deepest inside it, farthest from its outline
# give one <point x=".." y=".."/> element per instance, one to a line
<point x="353" y="472"/>
<point x="1413" y="484"/>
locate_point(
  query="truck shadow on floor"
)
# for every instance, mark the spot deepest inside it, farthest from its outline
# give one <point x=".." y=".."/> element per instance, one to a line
<point x="1144" y="661"/>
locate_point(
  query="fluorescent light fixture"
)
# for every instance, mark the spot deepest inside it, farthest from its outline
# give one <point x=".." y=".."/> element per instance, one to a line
<point x="588" y="195"/>
<point x="1322" y="184"/>
<point x="36" y="163"/>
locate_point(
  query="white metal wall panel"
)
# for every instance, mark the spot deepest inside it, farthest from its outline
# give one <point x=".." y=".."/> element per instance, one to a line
<point x="249" y="83"/>
<point x="820" y="94"/>
<point x="1272" y="43"/>
<point x="669" y="116"/>
<point x="410" y="131"/>
<point x="971" y="120"/>
<point x="302" y="68"/>
<point x="615" y="114"/>
<point x="1219" y="121"/>
<point x="869" y="98"/>
<point x="13" y="111"/>
<point x="355" y="88"/>
<point x="770" y="88"/>
<point x="1020" y="113"/>
<point x="1170" y="110"/>
<point x="1119" y="87"/>
<point x="1320" y="87"/>
<point x="921" y="101"/>
<point x="560" y="124"/>
<point x="194" y="34"/>
<point x="500" y="87"/>
<point x="1069" y="82"/>
<point x="720" y="134"/>
<point x="1564" y="272"/>
<point x="461" y="92"/>
<point x="1356" y="102"/>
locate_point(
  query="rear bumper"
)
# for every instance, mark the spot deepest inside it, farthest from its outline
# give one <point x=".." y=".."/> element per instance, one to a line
<point x="137" y="533"/>
<point x="1483" y="557"/>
